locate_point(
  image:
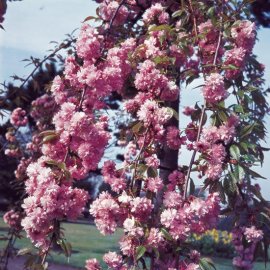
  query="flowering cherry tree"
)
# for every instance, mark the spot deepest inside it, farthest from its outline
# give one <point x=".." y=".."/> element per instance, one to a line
<point x="146" y="52"/>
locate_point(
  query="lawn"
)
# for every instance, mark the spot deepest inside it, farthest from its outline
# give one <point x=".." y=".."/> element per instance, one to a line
<point x="87" y="242"/>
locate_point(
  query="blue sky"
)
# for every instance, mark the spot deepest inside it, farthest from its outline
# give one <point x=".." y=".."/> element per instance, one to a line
<point x="31" y="25"/>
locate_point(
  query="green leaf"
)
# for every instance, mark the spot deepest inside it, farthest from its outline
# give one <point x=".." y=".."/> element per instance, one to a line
<point x="206" y="264"/>
<point x="152" y="172"/>
<point x="238" y="108"/>
<point x="256" y="192"/>
<point x="229" y="185"/>
<point x="222" y="116"/>
<point x="142" y="168"/>
<point x="49" y="138"/>
<point x="244" y="146"/>
<point x="170" y="111"/>
<point x="235" y="152"/>
<point x="136" y="128"/>
<point x="177" y="13"/>
<point x="24" y="251"/>
<point x="164" y="60"/>
<point x="247" y="130"/>
<point x="230" y="67"/>
<point x="140" y="250"/>
<point x="47" y="132"/>
<point x="166" y="234"/>
<point x="90" y="18"/>
<point x="239" y="172"/>
<point x="66" y="247"/>
<point x="253" y="173"/>
<point x="156" y="253"/>
<point x="162" y="27"/>
<point x="211" y="12"/>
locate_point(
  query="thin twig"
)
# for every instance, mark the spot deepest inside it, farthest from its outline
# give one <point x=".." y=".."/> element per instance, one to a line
<point x="138" y="157"/>
<point x="62" y="46"/>
<point x="204" y="106"/>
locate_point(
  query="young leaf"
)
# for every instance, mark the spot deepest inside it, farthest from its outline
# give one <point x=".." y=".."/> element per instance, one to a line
<point x="235" y="152"/>
<point x="206" y="264"/>
<point x="140" y="252"/>
<point x="166" y="234"/>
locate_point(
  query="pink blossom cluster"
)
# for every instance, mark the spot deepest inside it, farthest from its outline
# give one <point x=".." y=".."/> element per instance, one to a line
<point x="113" y="260"/>
<point x="116" y="179"/>
<point x="18" y="117"/>
<point x="245" y="249"/>
<point x="154" y="184"/>
<point x="155" y="117"/>
<point x="108" y="10"/>
<point x="80" y="136"/>
<point x="92" y="264"/>
<point x="176" y="179"/>
<point x="13" y="219"/>
<point x="13" y="152"/>
<point x="83" y="137"/>
<point x="208" y="43"/>
<point x="156" y="11"/>
<point x="33" y="146"/>
<point x="236" y="58"/>
<point x="212" y="148"/>
<point x="47" y="201"/>
<point x="13" y="148"/>
<point x="195" y="216"/>
<point x="88" y="44"/>
<point x="152" y="161"/>
<point x="20" y="172"/>
<point x="126" y="211"/>
<point x="244" y="34"/>
<point x="42" y="110"/>
<point x="105" y="210"/>
<point x="149" y="79"/>
<point x="173" y="138"/>
<point x="214" y="90"/>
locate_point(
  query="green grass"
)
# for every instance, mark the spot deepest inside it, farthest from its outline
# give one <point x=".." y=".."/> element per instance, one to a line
<point x="87" y="242"/>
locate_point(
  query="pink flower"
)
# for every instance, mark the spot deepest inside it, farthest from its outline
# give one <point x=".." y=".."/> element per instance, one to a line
<point x="236" y="58"/>
<point x="244" y="33"/>
<point x="107" y="11"/>
<point x="155" y="238"/>
<point x="105" y="210"/>
<point x="252" y="234"/>
<point x="113" y="260"/>
<point x="173" y="138"/>
<point x="150" y="79"/>
<point x="172" y="199"/>
<point x="127" y="245"/>
<point x="214" y="90"/>
<point x="156" y="11"/>
<point x="88" y="43"/>
<point x="152" y="162"/>
<point x="141" y="208"/>
<point x="188" y="111"/>
<point x="13" y="219"/>
<point x="154" y="184"/>
<point x="92" y="264"/>
<point x="129" y="224"/>
<point x="18" y="117"/>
